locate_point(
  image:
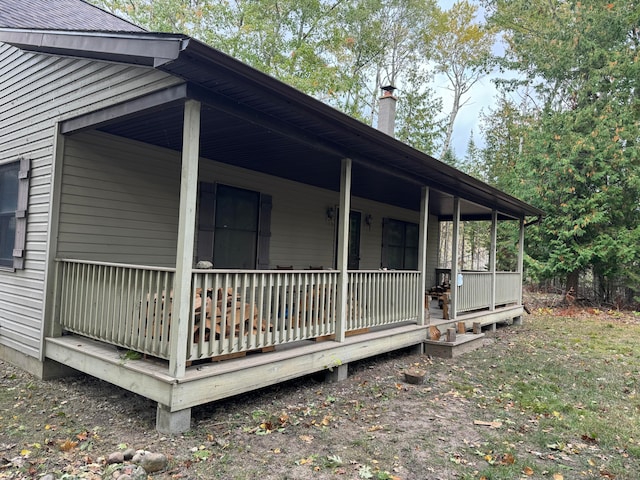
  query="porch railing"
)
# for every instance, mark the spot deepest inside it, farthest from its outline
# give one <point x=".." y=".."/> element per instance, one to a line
<point x="124" y="305"/>
<point x="475" y="292"/>
<point x="508" y="287"/>
<point x="231" y="311"/>
<point x="380" y="297"/>
<point x="247" y="310"/>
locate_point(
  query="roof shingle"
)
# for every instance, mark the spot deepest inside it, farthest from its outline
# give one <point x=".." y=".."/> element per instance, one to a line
<point x="61" y="15"/>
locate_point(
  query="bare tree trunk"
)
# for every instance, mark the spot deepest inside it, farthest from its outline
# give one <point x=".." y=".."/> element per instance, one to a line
<point x="455" y="108"/>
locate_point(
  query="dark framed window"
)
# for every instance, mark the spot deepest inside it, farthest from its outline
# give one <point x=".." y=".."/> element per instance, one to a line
<point x="236" y="228"/>
<point x="233" y="227"/>
<point x="399" y="244"/>
<point x="9" y="185"/>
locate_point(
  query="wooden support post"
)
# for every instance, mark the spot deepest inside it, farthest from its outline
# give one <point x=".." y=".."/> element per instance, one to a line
<point x="337" y="374"/>
<point x="455" y="237"/>
<point x="422" y="254"/>
<point x="445" y="306"/>
<point x="343" y="248"/>
<point x="492" y="258"/>
<point x="186" y="233"/>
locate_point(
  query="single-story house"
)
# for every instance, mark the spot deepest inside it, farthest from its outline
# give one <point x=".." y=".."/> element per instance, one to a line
<point x="163" y="205"/>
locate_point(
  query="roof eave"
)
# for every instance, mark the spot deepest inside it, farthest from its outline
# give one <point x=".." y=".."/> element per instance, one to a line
<point x="144" y="49"/>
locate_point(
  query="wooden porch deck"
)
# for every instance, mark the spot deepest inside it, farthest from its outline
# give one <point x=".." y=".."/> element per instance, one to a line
<point x="211" y="381"/>
<point x="486" y="318"/>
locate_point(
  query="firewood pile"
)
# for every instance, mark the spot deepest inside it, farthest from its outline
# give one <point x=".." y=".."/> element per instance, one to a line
<point x="230" y="314"/>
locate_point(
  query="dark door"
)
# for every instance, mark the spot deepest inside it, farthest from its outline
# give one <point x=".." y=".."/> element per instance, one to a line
<point x="353" y="249"/>
<point x="353" y="259"/>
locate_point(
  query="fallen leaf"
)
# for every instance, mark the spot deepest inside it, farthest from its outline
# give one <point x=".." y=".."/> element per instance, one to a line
<point x="558" y="476"/>
<point x="68" y="445"/>
<point x="375" y="428"/>
<point x="487" y="424"/>
<point x="507" y="459"/>
<point x="306" y="438"/>
<point x="528" y="471"/>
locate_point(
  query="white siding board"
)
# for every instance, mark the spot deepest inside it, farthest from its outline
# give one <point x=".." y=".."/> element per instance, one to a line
<point x="35" y="92"/>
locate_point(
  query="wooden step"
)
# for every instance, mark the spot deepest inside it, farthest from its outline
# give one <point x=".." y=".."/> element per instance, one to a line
<point x="463" y="343"/>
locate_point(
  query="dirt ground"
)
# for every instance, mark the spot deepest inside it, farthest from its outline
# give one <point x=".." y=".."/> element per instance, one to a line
<point x="372" y="425"/>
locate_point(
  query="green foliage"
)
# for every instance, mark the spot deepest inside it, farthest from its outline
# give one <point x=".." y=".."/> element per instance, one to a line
<point x="571" y="148"/>
<point x="337" y="51"/>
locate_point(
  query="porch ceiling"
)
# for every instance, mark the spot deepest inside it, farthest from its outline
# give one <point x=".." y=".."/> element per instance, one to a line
<point x="235" y="141"/>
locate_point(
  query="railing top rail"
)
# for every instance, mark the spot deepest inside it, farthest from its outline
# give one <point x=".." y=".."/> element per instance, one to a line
<point x="383" y="271"/>
<point x="270" y="271"/>
<point x="113" y="264"/>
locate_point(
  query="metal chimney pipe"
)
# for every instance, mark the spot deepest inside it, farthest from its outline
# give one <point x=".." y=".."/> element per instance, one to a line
<point x="387" y="111"/>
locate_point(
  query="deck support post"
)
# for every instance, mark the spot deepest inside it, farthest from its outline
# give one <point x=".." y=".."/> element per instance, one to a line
<point x="337" y="374"/>
<point x="423" y="307"/>
<point x="172" y="422"/>
<point x="343" y="248"/>
<point x="453" y="311"/>
<point x="492" y="257"/>
<point x="186" y="234"/>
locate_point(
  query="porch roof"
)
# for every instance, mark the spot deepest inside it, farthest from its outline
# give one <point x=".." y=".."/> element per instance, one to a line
<point x="253" y="120"/>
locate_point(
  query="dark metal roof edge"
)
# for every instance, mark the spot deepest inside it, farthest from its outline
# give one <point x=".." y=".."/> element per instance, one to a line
<point x="291" y="94"/>
<point x="139" y="48"/>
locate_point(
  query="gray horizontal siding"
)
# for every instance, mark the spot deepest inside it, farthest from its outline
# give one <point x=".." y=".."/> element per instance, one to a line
<point x="101" y="171"/>
<point x="119" y="201"/>
<point x="35" y="92"/>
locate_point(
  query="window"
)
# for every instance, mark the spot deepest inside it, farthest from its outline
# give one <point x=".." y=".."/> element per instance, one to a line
<point x="8" y="207"/>
<point x="399" y="244"/>
<point x="14" y="195"/>
<point x="233" y="227"/>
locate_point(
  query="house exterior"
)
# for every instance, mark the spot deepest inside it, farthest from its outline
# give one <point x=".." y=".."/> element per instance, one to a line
<point x="130" y="159"/>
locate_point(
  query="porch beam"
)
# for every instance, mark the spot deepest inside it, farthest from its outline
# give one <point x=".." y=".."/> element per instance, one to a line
<point x="454" y="258"/>
<point x="422" y="254"/>
<point x="186" y="234"/>
<point x="492" y="257"/>
<point x="343" y="248"/>
<point x="131" y="108"/>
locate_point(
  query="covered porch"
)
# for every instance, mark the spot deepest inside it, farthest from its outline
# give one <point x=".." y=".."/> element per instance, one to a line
<point x="126" y="302"/>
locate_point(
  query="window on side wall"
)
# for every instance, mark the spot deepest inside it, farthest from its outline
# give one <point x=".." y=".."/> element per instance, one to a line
<point x="14" y="186"/>
<point x="399" y="244"/>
